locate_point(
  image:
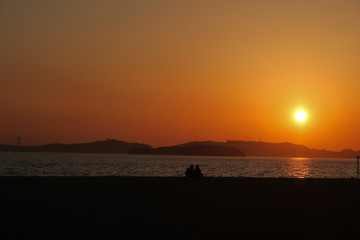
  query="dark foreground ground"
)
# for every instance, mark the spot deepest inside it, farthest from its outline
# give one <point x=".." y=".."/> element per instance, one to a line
<point x="176" y="208"/>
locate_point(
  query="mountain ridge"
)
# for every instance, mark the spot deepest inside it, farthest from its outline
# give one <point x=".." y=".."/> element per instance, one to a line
<point x="108" y="146"/>
<point x="191" y="150"/>
<point x="214" y="148"/>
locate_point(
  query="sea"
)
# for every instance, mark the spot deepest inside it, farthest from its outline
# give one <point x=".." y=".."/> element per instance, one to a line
<point x="89" y="164"/>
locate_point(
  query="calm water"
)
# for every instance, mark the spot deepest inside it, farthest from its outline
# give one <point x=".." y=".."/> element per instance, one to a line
<point x="79" y="164"/>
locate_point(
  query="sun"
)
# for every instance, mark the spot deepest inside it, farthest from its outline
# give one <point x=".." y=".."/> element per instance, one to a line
<point x="300" y="116"/>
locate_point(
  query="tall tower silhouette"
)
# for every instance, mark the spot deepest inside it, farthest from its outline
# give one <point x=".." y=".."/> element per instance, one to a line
<point x="18" y="141"/>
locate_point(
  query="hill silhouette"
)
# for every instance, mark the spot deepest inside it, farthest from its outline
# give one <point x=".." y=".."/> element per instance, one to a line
<point x="286" y="149"/>
<point x="108" y="146"/>
<point x="191" y="150"/>
<point x="195" y="148"/>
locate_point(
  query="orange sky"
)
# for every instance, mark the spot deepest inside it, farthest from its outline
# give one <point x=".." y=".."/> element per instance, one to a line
<point x="167" y="72"/>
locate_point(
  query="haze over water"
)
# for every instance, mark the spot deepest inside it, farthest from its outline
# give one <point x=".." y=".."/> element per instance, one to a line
<point x="80" y="164"/>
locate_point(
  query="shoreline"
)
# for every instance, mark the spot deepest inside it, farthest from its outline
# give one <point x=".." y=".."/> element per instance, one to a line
<point x="205" y="178"/>
<point x="178" y="208"/>
<point x="353" y="157"/>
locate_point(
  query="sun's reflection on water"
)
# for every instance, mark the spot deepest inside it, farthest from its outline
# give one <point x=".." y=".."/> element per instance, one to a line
<point x="298" y="167"/>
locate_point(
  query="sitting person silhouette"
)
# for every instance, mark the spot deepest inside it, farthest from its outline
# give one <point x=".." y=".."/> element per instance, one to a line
<point x="197" y="172"/>
<point x="190" y="172"/>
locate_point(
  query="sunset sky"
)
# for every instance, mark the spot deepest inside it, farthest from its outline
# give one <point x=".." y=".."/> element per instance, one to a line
<point x="166" y="72"/>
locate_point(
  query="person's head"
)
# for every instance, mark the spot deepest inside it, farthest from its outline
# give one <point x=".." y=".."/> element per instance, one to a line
<point x="191" y="166"/>
<point x="197" y="167"/>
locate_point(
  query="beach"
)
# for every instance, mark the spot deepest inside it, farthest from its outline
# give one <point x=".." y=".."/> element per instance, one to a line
<point x="179" y="208"/>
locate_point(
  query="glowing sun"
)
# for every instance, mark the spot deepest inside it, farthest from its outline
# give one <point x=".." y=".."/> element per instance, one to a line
<point x="300" y="116"/>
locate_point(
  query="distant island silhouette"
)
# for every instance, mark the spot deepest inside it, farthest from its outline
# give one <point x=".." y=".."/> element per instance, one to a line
<point x="196" y="148"/>
<point x="108" y="146"/>
<point x="191" y="150"/>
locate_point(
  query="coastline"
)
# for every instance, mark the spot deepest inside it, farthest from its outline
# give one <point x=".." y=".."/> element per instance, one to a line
<point x="178" y="208"/>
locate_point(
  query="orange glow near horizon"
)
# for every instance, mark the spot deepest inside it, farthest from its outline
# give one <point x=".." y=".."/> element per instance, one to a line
<point x="169" y="72"/>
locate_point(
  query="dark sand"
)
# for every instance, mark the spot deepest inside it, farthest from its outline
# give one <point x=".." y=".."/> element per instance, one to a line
<point x="177" y="208"/>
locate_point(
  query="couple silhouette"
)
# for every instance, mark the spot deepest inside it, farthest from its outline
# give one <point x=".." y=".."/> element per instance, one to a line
<point x="193" y="173"/>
